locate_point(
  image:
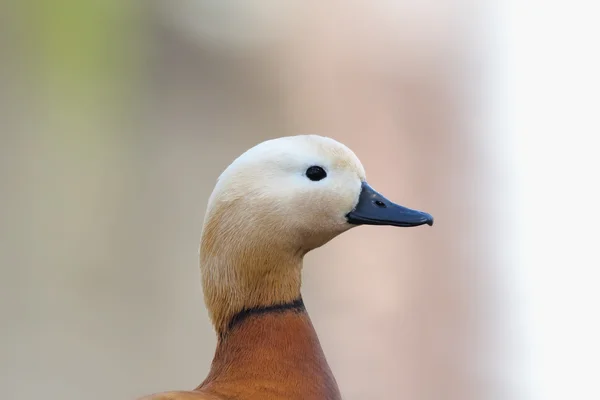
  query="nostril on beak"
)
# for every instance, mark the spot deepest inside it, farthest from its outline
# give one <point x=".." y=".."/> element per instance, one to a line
<point x="380" y="203"/>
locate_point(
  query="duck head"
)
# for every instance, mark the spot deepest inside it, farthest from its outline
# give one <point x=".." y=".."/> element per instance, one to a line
<point x="273" y="204"/>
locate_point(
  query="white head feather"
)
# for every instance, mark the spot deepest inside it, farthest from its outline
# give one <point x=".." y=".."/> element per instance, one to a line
<point x="270" y="187"/>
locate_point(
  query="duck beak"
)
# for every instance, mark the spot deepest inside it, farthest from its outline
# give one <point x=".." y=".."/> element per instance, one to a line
<point x="374" y="209"/>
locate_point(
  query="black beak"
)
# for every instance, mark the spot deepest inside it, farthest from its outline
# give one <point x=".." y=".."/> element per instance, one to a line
<point x="374" y="209"/>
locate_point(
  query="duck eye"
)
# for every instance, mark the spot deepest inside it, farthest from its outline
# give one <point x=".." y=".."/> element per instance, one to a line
<point x="315" y="173"/>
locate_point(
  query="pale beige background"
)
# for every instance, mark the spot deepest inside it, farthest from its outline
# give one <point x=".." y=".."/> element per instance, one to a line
<point x="116" y="119"/>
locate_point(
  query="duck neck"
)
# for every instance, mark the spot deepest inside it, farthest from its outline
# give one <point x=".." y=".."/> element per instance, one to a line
<point x="271" y="353"/>
<point x="251" y="279"/>
<point x="237" y="277"/>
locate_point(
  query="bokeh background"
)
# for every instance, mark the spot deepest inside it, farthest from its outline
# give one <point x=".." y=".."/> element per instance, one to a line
<point x="116" y="117"/>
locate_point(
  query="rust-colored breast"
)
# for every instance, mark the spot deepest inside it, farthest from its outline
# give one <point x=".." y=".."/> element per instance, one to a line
<point x="267" y="356"/>
<point x="272" y="356"/>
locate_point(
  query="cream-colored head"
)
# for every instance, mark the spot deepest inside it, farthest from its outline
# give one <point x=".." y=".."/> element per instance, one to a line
<point x="277" y="201"/>
<point x="267" y="190"/>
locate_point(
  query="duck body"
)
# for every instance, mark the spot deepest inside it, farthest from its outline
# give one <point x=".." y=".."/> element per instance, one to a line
<point x="271" y="206"/>
<point x="269" y="354"/>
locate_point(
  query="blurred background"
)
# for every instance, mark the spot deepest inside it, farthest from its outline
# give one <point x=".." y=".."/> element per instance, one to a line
<point x="116" y="117"/>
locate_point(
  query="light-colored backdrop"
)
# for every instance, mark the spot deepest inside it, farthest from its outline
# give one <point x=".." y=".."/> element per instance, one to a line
<point x="117" y="117"/>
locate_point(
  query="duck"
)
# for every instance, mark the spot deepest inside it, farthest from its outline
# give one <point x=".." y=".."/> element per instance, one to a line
<point x="271" y="206"/>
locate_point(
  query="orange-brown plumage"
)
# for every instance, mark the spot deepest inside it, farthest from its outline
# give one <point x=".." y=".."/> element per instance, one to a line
<point x="270" y="356"/>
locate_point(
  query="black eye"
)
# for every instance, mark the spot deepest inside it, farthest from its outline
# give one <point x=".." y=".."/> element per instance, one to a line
<point x="315" y="173"/>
